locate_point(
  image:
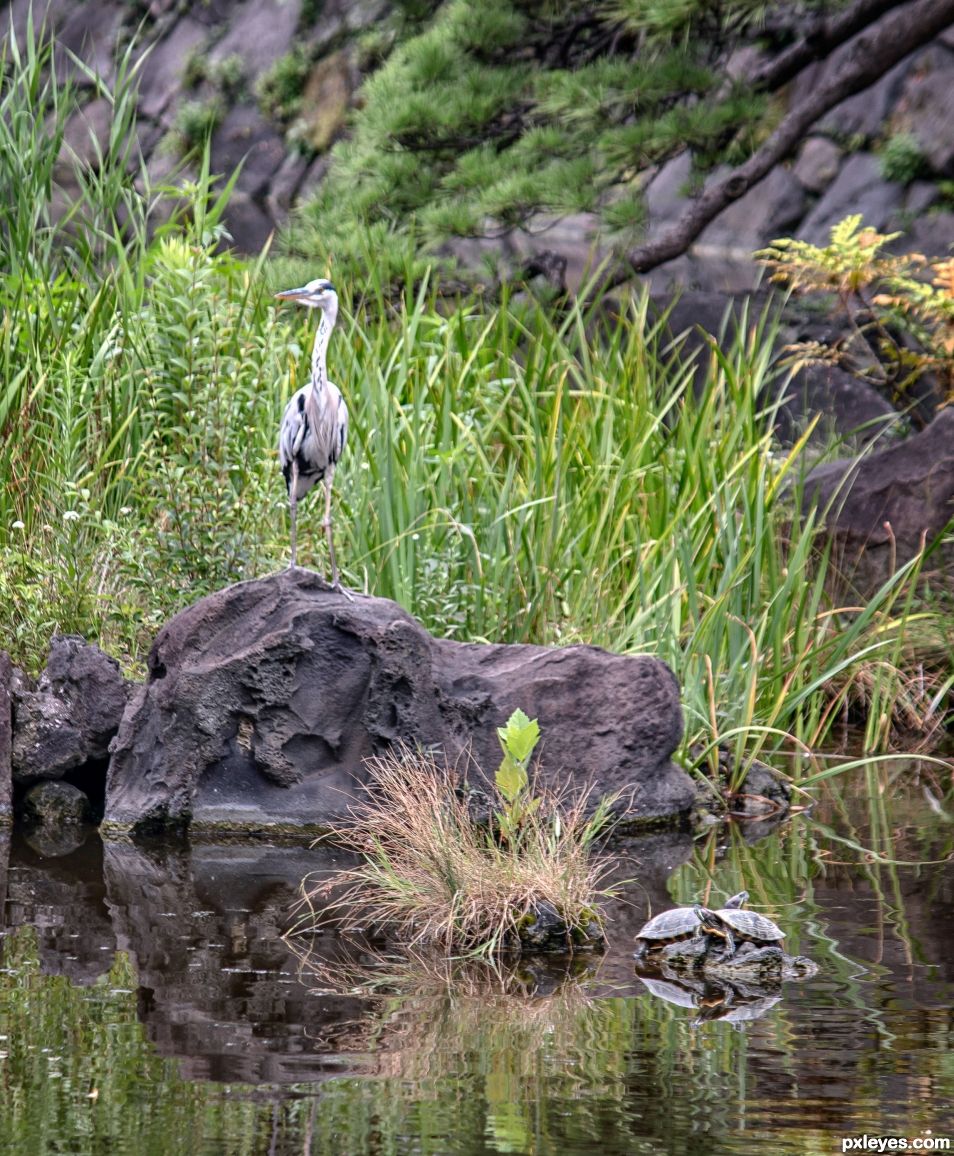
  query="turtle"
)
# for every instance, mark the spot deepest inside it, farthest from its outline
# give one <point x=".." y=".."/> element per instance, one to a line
<point x="676" y="924"/>
<point x="733" y="926"/>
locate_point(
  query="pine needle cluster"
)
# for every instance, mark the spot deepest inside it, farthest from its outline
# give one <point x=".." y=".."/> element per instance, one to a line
<point x="492" y="115"/>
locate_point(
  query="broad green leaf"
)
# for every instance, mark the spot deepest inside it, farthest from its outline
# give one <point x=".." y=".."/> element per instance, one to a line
<point x="511" y="779"/>
<point x="519" y="736"/>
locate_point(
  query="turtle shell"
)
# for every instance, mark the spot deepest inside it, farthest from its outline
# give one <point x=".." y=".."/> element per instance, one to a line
<point x="671" y="924"/>
<point x="751" y="925"/>
<point x="680" y="921"/>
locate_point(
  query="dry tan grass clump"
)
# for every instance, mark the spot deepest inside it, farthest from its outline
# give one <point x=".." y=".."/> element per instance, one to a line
<point x="434" y="875"/>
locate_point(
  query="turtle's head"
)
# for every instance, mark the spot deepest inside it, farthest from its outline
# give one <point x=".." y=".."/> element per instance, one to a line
<point x="709" y="922"/>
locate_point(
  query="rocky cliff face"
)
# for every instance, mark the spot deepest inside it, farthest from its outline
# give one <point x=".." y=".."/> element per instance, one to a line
<point x="273" y="78"/>
<point x="276" y="79"/>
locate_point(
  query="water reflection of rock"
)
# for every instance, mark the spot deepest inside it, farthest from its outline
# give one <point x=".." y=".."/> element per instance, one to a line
<point x="222" y="990"/>
<point x="219" y="988"/>
<point x="218" y="985"/>
<point x="53" y="843"/>
<point x="223" y="994"/>
<point x="65" y="900"/>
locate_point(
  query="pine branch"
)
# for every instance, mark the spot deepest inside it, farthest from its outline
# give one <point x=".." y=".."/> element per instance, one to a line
<point x="865" y="59"/>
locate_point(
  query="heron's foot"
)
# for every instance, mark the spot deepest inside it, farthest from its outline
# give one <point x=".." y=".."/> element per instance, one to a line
<point x="337" y="588"/>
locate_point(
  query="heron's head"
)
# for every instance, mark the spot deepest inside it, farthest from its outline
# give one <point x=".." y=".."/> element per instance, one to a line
<point x="317" y="294"/>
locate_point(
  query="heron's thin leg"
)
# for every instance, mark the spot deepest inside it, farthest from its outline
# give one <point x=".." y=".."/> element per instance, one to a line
<point x="293" y="512"/>
<point x="329" y="478"/>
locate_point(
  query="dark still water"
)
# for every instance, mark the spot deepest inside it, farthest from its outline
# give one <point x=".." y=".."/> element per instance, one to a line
<point x="149" y="1005"/>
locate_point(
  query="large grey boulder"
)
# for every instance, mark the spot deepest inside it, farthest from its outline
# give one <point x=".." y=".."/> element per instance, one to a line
<point x="71" y="715"/>
<point x="847" y="407"/>
<point x="264" y="699"/>
<point x="881" y="505"/>
<point x="858" y="188"/>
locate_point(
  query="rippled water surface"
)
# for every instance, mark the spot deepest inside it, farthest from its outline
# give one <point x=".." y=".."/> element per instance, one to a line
<point x="148" y="1004"/>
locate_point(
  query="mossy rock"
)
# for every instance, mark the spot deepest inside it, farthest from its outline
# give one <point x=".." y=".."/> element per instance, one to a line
<point x="544" y="928"/>
<point x="55" y="804"/>
<point x="324" y="103"/>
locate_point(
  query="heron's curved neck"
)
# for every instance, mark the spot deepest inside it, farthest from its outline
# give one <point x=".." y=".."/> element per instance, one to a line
<point x="319" y="372"/>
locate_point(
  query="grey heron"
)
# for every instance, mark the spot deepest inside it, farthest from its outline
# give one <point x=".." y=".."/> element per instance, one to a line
<point x="315" y="422"/>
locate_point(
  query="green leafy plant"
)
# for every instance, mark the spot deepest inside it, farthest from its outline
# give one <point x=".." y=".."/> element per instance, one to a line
<point x="945" y="191"/>
<point x="900" y="306"/>
<point x="280" y="87"/>
<point x="518" y="740"/>
<point x="228" y="74"/>
<point x="194" y="123"/>
<point x="196" y="67"/>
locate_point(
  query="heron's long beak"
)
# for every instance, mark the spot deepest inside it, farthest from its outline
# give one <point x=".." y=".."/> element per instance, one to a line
<point x="292" y="294"/>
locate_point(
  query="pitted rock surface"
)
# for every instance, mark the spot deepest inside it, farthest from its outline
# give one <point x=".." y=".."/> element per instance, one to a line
<point x="264" y="699"/>
<point x="71" y="715"/>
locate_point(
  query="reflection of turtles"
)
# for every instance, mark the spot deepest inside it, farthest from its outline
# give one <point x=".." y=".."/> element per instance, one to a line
<point x="678" y="992"/>
<point x="677" y="924"/>
<point x="713" y="999"/>
<point x="733" y="927"/>
<point x="751" y="964"/>
<point x="735" y="1010"/>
